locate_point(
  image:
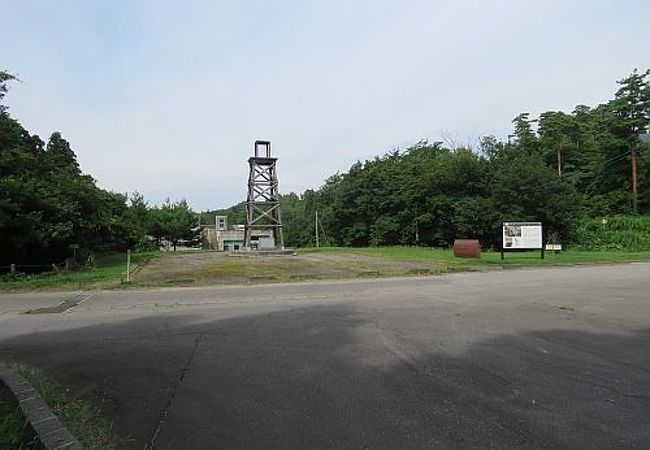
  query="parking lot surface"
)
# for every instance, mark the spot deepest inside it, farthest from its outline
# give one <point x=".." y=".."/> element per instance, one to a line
<point x="533" y="358"/>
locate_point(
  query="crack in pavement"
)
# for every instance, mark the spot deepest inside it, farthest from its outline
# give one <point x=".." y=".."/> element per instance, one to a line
<point x="162" y="417"/>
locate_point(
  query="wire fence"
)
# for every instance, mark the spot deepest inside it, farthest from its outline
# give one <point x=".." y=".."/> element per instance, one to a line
<point x="31" y="268"/>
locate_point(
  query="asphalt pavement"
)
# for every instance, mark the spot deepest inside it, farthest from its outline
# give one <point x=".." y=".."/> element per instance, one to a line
<point x="530" y="358"/>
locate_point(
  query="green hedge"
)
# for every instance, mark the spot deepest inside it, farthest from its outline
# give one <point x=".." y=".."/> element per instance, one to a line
<point x="630" y="233"/>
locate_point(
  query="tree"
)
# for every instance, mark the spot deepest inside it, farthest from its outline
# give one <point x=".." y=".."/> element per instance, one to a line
<point x="526" y="189"/>
<point x="138" y="221"/>
<point x="525" y="139"/>
<point x="46" y="203"/>
<point x="174" y="221"/>
<point x="558" y="138"/>
<point x="490" y="147"/>
<point x="294" y="212"/>
<point x="60" y="156"/>
<point x="631" y="108"/>
<point x="5" y="77"/>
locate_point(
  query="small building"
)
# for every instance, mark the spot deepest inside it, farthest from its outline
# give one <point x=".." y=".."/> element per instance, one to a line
<point x="222" y="237"/>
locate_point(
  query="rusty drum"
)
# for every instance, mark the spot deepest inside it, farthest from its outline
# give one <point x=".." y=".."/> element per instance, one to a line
<point x="467" y="248"/>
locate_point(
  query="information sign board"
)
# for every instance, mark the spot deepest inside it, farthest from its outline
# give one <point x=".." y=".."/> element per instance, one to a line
<point x="517" y="236"/>
<point x="522" y="235"/>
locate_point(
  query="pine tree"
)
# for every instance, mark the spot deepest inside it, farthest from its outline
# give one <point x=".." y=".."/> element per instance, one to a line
<point x="631" y="108"/>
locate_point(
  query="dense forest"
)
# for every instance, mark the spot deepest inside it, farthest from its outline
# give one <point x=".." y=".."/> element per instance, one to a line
<point x="569" y="170"/>
<point x="585" y="174"/>
<point x="49" y="209"/>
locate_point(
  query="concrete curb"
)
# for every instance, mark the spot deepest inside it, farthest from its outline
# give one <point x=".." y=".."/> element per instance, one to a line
<point x="49" y="430"/>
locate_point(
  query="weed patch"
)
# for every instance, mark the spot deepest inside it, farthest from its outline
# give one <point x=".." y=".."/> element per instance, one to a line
<point x="83" y="419"/>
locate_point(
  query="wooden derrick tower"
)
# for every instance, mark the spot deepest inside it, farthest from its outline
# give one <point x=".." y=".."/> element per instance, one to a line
<point x="263" y="200"/>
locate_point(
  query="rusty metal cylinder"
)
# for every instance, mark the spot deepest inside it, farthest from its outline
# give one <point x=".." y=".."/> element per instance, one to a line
<point x="467" y="248"/>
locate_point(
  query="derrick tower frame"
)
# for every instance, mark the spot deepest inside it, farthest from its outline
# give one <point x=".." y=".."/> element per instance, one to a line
<point x="263" y="199"/>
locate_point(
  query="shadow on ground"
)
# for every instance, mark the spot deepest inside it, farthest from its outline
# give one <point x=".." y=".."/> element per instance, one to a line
<point x="325" y="377"/>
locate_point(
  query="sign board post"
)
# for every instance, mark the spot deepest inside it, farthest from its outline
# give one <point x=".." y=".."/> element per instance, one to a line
<point x="522" y="236"/>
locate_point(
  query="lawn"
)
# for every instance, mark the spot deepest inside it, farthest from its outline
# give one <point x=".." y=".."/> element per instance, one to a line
<point x="107" y="273"/>
<point x="209" y="267"/>
<point x="446" y="256"/>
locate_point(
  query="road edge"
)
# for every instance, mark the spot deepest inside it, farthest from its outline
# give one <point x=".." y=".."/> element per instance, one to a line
<point x="47" y="427"/>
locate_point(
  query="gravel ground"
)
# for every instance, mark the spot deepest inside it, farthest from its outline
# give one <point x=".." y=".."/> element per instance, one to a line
<point x="218" y="268"/>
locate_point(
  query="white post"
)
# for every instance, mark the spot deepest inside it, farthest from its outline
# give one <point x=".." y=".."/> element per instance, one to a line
<point x="316" y="229"/>
<point x="128" y="265"/>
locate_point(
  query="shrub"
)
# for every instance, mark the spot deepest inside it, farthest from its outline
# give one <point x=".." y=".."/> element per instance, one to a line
<point x="631" y="233"/>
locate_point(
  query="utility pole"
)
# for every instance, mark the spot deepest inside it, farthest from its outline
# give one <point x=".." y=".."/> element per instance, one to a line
<point x="559" y="162"/>
<point x="635" y="193"/>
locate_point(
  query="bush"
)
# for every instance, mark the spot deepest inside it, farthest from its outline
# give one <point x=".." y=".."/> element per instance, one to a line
<point x="631" y="233"/>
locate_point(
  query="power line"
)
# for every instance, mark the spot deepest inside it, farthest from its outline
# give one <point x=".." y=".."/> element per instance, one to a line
<point x="616" y="158"/>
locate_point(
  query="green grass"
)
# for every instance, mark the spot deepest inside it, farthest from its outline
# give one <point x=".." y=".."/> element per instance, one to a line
<point x="109" y="268"/>
<point x="106" y="274"/>
<point x="340" y="263"/>
<point x="83" y="419"/>
<point x="14" y="432"/>
<point x="446" y="256"/>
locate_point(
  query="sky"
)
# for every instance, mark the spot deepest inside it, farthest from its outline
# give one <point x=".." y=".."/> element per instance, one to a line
<point x="167" y="97"/>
